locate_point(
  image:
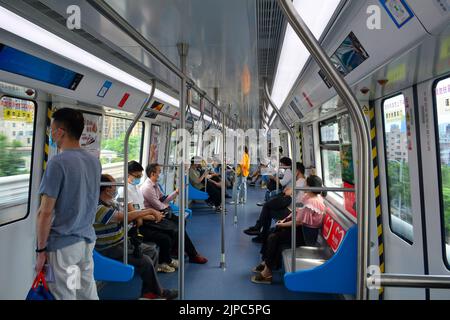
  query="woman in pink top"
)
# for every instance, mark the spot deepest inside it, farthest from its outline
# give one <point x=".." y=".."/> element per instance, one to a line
<point x="308" y="223"/>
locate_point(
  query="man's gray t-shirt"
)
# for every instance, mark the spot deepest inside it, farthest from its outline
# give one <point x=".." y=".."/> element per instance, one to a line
<point x="73" y="179"/>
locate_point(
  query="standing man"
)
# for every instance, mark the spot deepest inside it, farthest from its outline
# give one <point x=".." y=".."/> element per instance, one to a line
<point x="70" y="192"/>
<point x="242" y="179"/>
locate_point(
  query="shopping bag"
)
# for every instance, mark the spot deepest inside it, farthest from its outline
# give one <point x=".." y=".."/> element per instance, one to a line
<point x="39" y="289"/>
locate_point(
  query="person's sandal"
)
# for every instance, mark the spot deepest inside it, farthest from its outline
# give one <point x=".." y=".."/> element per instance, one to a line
<point x="259" y="268"/>
<point x="261" y="279"/>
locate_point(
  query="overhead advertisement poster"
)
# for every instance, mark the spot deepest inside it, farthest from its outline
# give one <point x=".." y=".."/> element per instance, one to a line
<point x="17" y="110"/>
<point x="90" y="139"/>
<point x="349" y="55"/>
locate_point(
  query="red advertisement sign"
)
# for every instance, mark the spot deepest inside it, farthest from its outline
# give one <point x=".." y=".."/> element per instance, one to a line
<point x="328" y="223"/>
<point x="336" y="237"/>
<point x="350" y="199"/>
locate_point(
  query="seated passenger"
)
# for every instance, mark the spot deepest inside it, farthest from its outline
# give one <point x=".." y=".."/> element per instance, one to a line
<point x="109" y="228"/>
<point x="274" y="181"/>
<point x="165" y="238"/>
<point x="277" y="208"/>
<point x="308" y="222"/>
<point x="197" y="180"/>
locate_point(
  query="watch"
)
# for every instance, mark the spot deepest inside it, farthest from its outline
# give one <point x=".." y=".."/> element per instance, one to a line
<point x="41" y="250"/>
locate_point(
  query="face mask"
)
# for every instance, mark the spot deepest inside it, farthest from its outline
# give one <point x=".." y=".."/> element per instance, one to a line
<point x="136" y="181"/>
<point x="52" y="142"/>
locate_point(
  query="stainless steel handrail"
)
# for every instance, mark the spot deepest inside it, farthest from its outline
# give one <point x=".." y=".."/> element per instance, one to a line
<point x="112" y="184"/>
<point x="362" y="133"/>
<point x="183" y="52"/>
<point x="410" y="281"/>
<point x="293" y="182"/>
<point x="319" y="189"/>
<point x="163" y="114"/>
<point x="125" y="168"/>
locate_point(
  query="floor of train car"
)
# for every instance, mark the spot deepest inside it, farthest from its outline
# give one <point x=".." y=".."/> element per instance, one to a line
<point x="209" y="281"/>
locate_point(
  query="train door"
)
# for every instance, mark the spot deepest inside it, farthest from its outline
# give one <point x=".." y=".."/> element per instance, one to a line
<point x="400" y="191"/>
<point x="434" y="117"/>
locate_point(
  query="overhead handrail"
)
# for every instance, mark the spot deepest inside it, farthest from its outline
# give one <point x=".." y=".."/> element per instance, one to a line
<point x="362" y="134"/>
<point x="294" y="160"/>
<point x="125" y="168"/>
<point x="163" y="114"/>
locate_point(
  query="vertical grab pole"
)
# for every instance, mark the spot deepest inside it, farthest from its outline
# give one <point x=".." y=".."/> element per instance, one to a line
<point x="183" y="49"/>
<point x="125" y="168"/>
<point x="293" y="182"/>
<point x="235" y="140"/>
<point x="223" y="189"/>
<point x="362" y="133"/>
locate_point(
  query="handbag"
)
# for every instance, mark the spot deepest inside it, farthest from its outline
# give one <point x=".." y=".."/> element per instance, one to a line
<point x="39" y="290"/>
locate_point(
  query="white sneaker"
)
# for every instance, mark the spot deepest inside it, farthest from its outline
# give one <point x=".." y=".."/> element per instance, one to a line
<point x="165" y="268"/>
<point x="174" y="264"/>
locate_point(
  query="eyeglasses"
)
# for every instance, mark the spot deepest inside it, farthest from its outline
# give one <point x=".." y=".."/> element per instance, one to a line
<point x="137" y="177"/>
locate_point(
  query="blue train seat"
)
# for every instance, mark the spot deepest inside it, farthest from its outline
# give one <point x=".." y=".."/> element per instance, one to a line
<point x="106" y="269"/>
<point x="329" y="268"/>
<point x="176" y="210"/>
<point x="195" y="194"/>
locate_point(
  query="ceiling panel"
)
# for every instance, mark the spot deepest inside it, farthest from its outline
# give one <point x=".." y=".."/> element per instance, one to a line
<point x="222" y="38"/>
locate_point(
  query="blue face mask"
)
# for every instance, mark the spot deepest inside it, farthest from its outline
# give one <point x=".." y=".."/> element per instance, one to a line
<point x="136" y="181"/>
<point x="52" y="143"/>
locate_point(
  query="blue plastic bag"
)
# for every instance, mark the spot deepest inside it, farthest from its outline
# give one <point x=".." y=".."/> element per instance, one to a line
<point x="39" y="289"/>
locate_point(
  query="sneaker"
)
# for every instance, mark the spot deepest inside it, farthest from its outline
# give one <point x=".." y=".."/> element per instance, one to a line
<point x="169" y="294"/>
<point x="174" y="264"/>
<point x="165" y="268"/>
<point x="219" y="209"/>
<point x="261" y="279"/>
<point x="258" y="239"/>
<point x="252" y="231"/>
<point x="198" y="259"/>
<point x="260" y="204"/>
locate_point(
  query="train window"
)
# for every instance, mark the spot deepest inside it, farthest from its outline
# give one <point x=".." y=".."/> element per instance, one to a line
<point x="397" y="167"/>
<point x="16" y="150"/>
<point x="442" y="98"/>
<point x="113" y="136"/>
<point x="330" y="153"/>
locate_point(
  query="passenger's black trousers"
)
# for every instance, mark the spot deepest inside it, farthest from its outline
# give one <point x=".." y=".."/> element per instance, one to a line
<point x="276" y="208"/>
<point x="166" y="241"/>
<point x="143" y="266"/>
<point x="278" y="240"/>
<point x="215" y="193"/>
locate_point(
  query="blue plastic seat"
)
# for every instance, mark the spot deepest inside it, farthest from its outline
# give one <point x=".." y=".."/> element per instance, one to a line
<point x="106" y="269"/>
<point x="336" y="275"/>
<point x="195" y="194"/>
<point x="176" y="210"/>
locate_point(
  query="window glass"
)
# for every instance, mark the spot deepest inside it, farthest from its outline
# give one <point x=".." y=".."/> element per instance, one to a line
<point x="16" y="149"/>
<point x="442" y="94"/>
<point x="337" y="159"/>
<point x="331" y="163"/>
<point x="113" y="137"/>
<point x="329" y="133"/>
<point x="397" y="167"/>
